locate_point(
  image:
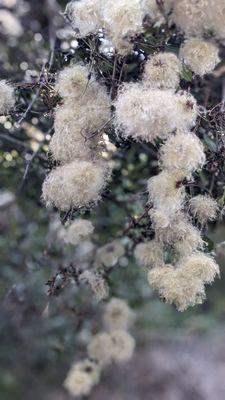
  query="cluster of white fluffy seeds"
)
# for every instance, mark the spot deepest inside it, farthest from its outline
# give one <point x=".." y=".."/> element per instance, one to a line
<point x="204" y="208"/>
<point x="162" y="71"/>
<point x="105" y="258"/>
<point x="166" y="195"/>
<point x="149" y="110"/>
<point x="77" y="141"/>
<point x="10" y="24"/>
<point x="149" y="254"/>
<point x="96" y="282"/>
<point x="117" y="315"/>
<point x="109" y="255"/>
<point x="147" y="114"/>
<point x="121" y="20"/>
<point x="75" y="184"/>
<point x="85" y="16"/>
<point x="181" y="155"/>
<point x="182" y="236"/>
<point x="184" y="285"/>
<point x="154" y="12"/>
<point x="7" y="97"/>
<point x="200" y="55"/>
<point x="113" y="345"/>
<point x="78" y="231"/>
<point x="82" y="376"/>
<point x="86" y="108"/>
<point x="191" y="16"/>
<point x="198" y="17"/>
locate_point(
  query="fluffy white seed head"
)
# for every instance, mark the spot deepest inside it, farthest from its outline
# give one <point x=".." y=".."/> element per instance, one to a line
<point x="147" y="114"/>
<point x="123" y="345"/>
<point x="186" y="111"/>
<point x="82" y="377"/>
<point x="162" y="71"/>
<point x="10" y="24"/>
<point x="74" y="185"/>
<point x="165" y="192"/>
<point x="140" y="112"/>
<point x="191" y="16"/>
<point x="199" y="265"/>
<point x="204" y="208"/>
<point x="200" y="55"/>
<point x="73" y="80"/>
<point x="216" y="12"/>
<point x="78" y="383"/>
<point x="85" y="16"/>
<point x="122" y="46"/>
<point x="161" y="218"/>
<point x="72" y="145"/>
<point x="176" y="288"/>
<point x="182" y="152"/>
<point x="109" y="254"/>
<point x="100" y="348"/>
<point x="97" y="284"/>
<point x="199" y="17"/>
<point x="183" y="284"/>
<point x="122" y="20"/>
<point x="78" y="230"/>
<point x="149" y="254"/>
<point x="74" y="127"/>
<point x="152" y="10"/>
<point x="89" y="114"/>
<point x="7" y="98"/>
<point x="181" y="236"/>
<point x="117" y="315"/>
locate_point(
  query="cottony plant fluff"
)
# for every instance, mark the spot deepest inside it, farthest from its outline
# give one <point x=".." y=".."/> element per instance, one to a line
<point x="147" y="114"/>
<point x="163" y="71"/>
<point x="200" y="17"/>
<point x="180" y="156"/>
<point x="85" y="109"/>
<point x="7" y="98"/>
<point x="109" y="254"/>
<point x="138" y="94"/>
<point x="77" y="142"/>
<point x="78" y="230"/>
<point x="74" y="185"/>
<point x="134" y="107"/>
<point x="152" y="106"/>
<point x="123" y="20"/>
<point x="82" y="377"/>
<point x="116" y="345"/>
<point x="183" y="153"/>
<point x="200" y="55"/>
<point x="204" y="208"/>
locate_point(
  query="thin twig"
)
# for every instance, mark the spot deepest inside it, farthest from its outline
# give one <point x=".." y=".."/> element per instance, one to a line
<point x="41" y="84"/>
<point x="113" y="77"/>
<point x="99" y="130"/>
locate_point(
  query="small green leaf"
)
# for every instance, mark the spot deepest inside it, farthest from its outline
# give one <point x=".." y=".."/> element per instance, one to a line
<point x="186" y="74"/>
<point x="221" y="200"/>
<point x="210" y="143"/>
<point x="210" y="243"/>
